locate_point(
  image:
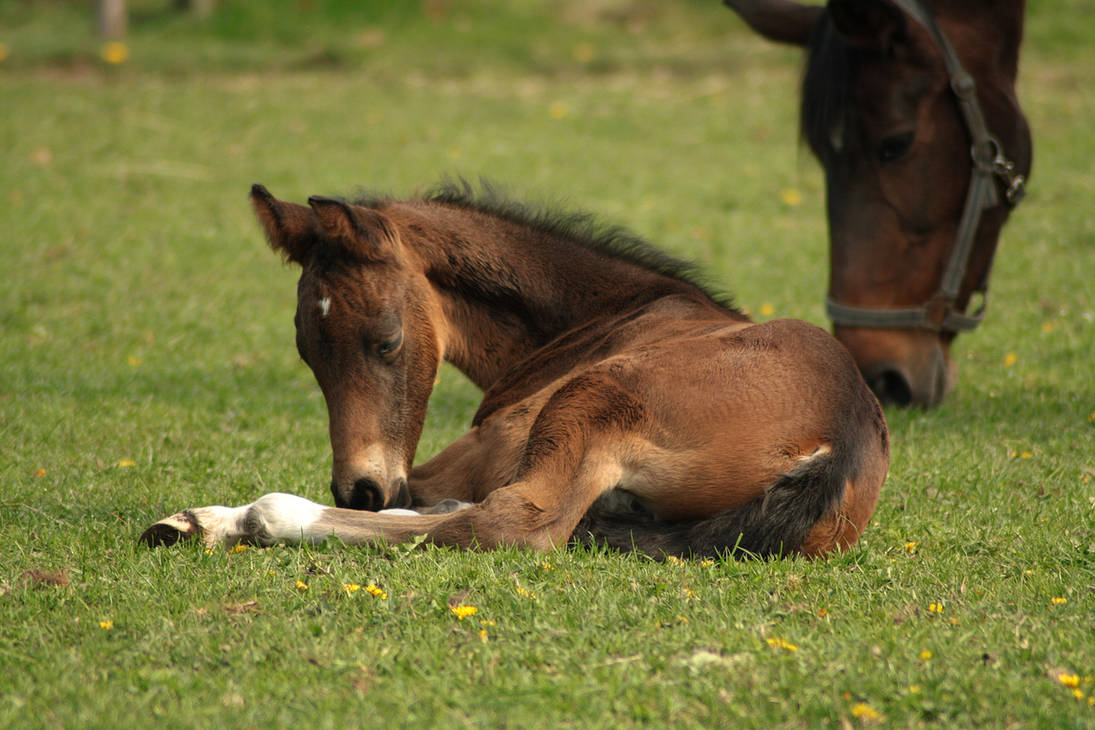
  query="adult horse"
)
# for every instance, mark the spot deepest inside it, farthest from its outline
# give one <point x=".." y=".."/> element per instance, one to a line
<point x="910" y="106"/>
<point x="623" y="405"/>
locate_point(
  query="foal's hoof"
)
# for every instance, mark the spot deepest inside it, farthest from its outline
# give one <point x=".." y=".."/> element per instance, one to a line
<point x="168" y="531"/>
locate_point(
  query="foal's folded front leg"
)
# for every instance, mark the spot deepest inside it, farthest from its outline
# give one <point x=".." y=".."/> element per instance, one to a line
<point x="279" y="517"/>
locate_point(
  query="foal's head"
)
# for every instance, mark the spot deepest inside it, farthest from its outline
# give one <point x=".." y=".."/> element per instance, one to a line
<point x="880" y="114"/>
<point x="362" y="327"/>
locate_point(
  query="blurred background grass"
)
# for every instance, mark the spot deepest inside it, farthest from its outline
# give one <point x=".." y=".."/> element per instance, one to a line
<point x="433" y="37"/>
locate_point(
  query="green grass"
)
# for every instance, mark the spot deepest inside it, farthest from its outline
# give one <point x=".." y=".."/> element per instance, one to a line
<point x="147" y="364"/>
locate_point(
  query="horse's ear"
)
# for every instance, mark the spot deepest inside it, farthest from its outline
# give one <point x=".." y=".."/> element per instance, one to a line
<point x="363" y="232"/>
<point x="782" y="21"/>
<point x="288" y="226"/>
<point x="875" y="24"/>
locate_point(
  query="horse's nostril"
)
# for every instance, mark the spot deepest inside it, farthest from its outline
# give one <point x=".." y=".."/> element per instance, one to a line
<point x="890" y="385"/>
<point x="366" y="494"/>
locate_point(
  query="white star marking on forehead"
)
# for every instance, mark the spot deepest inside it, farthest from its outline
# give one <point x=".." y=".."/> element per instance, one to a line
<point x="324" y="305"/>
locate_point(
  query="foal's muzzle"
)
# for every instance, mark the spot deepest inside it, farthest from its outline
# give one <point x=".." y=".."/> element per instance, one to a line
<point x="366" y="494"/>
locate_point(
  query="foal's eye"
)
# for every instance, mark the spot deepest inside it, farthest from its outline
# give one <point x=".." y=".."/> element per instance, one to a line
<point x="387" y="348"/>
<point x="895" y="147"/>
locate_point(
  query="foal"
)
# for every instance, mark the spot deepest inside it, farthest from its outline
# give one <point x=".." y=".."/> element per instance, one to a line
<point x="622" y="404"/>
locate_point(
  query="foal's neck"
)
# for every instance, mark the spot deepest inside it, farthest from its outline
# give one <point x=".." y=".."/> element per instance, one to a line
<point x="508" y="288"/>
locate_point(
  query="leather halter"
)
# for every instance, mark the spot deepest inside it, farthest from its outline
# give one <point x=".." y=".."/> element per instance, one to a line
<point x="940" y="314"/>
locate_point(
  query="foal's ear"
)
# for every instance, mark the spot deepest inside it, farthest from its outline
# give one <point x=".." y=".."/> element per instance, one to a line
<point x="288" y="226"/>
<point x="363" y="232"/>
<point x="871" y="24"/>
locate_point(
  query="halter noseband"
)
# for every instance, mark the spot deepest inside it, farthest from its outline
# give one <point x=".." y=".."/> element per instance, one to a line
<point x="989" y="164"/>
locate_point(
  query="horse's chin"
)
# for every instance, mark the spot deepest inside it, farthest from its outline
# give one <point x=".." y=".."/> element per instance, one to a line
<point x="903" y="368"/>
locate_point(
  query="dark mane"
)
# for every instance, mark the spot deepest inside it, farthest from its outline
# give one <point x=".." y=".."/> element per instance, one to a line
<point x="576" y="227"/>
<point x="827" y="110"/>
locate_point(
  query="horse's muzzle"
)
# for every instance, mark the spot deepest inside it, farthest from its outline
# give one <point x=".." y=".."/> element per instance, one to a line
<point x="922" y="386"/>
<point x="366" y="494"/>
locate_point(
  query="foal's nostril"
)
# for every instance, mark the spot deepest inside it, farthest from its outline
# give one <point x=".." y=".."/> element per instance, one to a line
<point x="366" y="494"/>
<point x="889" y="385"/>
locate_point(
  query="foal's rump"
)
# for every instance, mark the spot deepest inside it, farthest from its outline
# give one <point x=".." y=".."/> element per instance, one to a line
<point x="766" y="440"/>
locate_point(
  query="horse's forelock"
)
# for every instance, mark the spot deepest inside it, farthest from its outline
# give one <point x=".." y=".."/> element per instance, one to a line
<point x="826" y="111"/>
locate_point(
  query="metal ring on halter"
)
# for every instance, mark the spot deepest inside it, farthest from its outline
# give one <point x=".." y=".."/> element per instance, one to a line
<point x="991" y="162"/>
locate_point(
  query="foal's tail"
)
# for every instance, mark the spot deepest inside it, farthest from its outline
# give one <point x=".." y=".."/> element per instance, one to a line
<point x="777" y="523"/>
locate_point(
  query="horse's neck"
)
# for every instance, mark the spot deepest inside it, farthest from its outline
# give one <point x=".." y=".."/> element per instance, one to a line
<point x="507" y="289"/>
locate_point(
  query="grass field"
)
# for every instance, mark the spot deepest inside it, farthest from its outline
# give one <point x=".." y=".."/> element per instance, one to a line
<point x="147" y="364"/>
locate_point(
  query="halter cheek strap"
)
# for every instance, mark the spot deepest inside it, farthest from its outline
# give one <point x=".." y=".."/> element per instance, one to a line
<point x="989" y="164"/>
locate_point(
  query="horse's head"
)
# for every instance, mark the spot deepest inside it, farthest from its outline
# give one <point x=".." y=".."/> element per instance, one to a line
<point x="914" y="213"/>
<point x="363" y="328"/>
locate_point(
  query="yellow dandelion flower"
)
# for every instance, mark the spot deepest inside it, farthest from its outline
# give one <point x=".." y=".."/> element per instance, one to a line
<point x="935" y="607"/>
<point x="1025" y="455"/>
<point x="1010" y="359"/>
<point x="40" y="473"/>
<point x="106" y="625"/>
<point x="376" y="592"/>
<point x="301" y="586"/>
<point x="114" y="52"/>
<point x="558" y="110"/>
<point x="682" y="619"/>
<point x="1078" y="694"/>
<point x="127" y="462"/>
<point x="483" y="635"/>
<point x="766" y="309"/>
<point x="350" y="588"/>
<point x="1069" y="680"/>
<point x="910" y="547"/>
<point x="486" y="622"/>
<point x="209" y="551"/>
<point x="462" y="612"/>
<point x="925" y="655"/>
<point x="790" y="196"/>
<point x="914" y="689"/>
<point x="706" y="563"/>
<point x="823" y="612"/>
<point x="782" y="644"/>
<point x="864" y="711"/>
<point x="689" y="593"/>
<point x="1058" y="600"/>
<point x="238" y="548"/>
<point x="526" y="593"/>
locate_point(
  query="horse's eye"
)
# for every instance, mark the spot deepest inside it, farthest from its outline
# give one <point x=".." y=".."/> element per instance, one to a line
<point x="895" y="147"/>
<point x="389" y="347"/>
